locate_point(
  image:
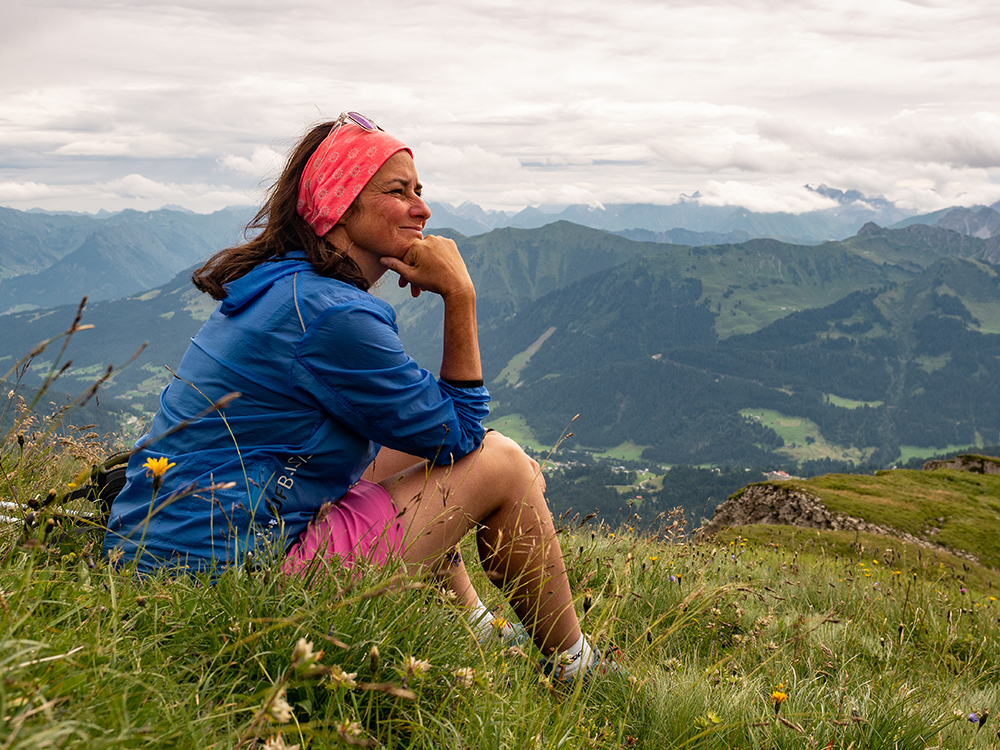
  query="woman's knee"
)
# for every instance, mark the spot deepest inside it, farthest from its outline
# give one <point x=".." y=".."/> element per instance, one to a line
<point x="511" y="459"/>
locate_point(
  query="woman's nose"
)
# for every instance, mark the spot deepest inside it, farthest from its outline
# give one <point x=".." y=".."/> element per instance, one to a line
<point x="421" y="209"/>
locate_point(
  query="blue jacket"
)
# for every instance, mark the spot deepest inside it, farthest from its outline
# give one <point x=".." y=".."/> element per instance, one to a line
<point x="324" y="382"/>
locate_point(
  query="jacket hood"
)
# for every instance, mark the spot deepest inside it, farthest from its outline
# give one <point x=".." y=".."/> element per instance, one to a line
<point x="244" y="289"/>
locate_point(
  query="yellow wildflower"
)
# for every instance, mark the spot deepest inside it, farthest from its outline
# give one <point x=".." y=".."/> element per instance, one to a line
<point x="156" y="467"/>
<point x="778" y="697"/>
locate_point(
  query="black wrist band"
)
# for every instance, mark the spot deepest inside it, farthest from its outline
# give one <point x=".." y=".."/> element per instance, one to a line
<point x="463" y="383"/>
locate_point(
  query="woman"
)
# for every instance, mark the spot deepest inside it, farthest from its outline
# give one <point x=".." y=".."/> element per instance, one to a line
<point x="339" y="443"/>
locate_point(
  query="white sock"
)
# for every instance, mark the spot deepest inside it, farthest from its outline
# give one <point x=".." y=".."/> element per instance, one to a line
<point x="566" y="666"/>
<point x="481" y="620"/>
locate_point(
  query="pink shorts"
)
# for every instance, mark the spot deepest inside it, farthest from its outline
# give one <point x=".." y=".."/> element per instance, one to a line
<point x="359" y="527"/>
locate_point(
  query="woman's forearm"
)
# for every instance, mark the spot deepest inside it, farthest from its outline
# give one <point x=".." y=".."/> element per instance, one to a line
<point x="460" y="352"/>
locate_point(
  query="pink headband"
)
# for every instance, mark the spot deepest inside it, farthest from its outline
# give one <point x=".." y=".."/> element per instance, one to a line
<point x="338" y="171"/>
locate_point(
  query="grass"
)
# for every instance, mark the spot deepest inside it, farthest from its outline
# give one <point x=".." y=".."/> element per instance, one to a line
<point x="516" y="428"/>
<point x="912" y="451"/>
<point x="847" y="403"/>
<point x="627" y="450"/>
<point x="511" y="374"/>
<point x="957" y="509"/>
<point x="97" y="658"/>
<point x="874" y="644"/>
<point x="797" y="433"/>
<point x="986" y="313"/>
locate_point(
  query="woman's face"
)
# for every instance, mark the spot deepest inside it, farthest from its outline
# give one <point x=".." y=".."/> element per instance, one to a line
<point x="386" y="218"/>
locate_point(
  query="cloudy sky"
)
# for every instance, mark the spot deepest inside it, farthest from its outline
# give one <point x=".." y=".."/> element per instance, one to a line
<point x="117" y="104"/>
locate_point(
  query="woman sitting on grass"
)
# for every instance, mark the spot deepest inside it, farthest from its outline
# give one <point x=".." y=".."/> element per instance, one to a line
<point x="339" y="444"/>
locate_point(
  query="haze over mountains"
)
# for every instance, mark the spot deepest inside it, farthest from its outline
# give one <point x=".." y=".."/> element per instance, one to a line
<point x="852" y="211"/>
<point x="864" y="350"/>
<point x="49" y="259"/>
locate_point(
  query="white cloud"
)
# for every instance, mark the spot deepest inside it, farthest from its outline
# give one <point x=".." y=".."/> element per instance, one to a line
<point x="131" y="191"/>
<point x="508" y="102"/>
<point x="13" y="193"/>
<point x="465" y="163"/>
<point x="95" y="147"/>
<point x="764" y="197"/>
<point x="264" y="162"/>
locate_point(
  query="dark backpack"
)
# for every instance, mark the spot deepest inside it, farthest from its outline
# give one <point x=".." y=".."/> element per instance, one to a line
<point x="106" y="480"/>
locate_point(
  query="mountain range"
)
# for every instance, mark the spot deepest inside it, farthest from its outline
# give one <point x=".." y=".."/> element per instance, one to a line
<point x="694" y="222"/>
<point x="48" y="260"/>
<point x="865" y="350"/>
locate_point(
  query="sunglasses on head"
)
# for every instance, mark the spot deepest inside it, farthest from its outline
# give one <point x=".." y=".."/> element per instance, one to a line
<point x="365" y="123"/>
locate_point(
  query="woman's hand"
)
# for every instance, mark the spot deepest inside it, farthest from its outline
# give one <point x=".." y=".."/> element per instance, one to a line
<point x="435" y="265"/>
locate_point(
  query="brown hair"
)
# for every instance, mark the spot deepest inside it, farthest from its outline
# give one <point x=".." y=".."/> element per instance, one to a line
<point x="281" y="230"/>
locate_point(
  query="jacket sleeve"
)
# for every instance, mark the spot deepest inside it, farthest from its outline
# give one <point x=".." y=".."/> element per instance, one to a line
<point x="351" y="361"/>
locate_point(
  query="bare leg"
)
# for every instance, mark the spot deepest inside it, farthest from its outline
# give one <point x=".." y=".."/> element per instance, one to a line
<point x="499" y="491"/>
<point x="452" y="568"/>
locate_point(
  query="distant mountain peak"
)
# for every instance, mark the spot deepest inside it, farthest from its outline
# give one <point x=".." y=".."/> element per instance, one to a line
<point x="869" y="229"/>
<point x="851" y="197"/>
<point x="979" y="221"/>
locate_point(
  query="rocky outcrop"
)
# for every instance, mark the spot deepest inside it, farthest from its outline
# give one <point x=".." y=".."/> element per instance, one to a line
<point x="967" y="462"/>
<point x="770" y="504"/>
<point x="782" y="504"/>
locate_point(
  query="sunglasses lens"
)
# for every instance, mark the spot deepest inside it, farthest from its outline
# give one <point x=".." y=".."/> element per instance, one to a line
<point x="362" y="121"/>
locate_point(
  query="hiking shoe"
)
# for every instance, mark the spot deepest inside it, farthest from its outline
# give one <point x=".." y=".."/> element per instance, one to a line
<point x="605" y="663"/>
<point x="505" y="633"/>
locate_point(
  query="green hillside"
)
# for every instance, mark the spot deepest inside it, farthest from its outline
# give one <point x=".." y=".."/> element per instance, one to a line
<point x="915" y="246"/>
<point x="959" y="510"/>
<point x="672" y="350"/>
<point x="906" y="364"/>
<point x="60" y="259"/>
<point x="164" y="318"/>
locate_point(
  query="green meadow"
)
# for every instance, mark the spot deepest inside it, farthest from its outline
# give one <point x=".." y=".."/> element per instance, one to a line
<point x="760" y="638"/>
<point x="803" y="439"/>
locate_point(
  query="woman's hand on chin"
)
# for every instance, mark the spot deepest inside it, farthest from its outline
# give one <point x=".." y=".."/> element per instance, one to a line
<point x="414" y="289"/>
<point x="432" y="264"/>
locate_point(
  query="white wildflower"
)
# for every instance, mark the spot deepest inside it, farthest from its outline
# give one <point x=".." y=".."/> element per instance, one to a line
<point x="305" y="661"/>
<point x="341" y="678"/>
<point x="414" y="666"/>
<point x="279" y="711"/>
<point x="277" y="742"/>
<point x="464" y="677"/>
